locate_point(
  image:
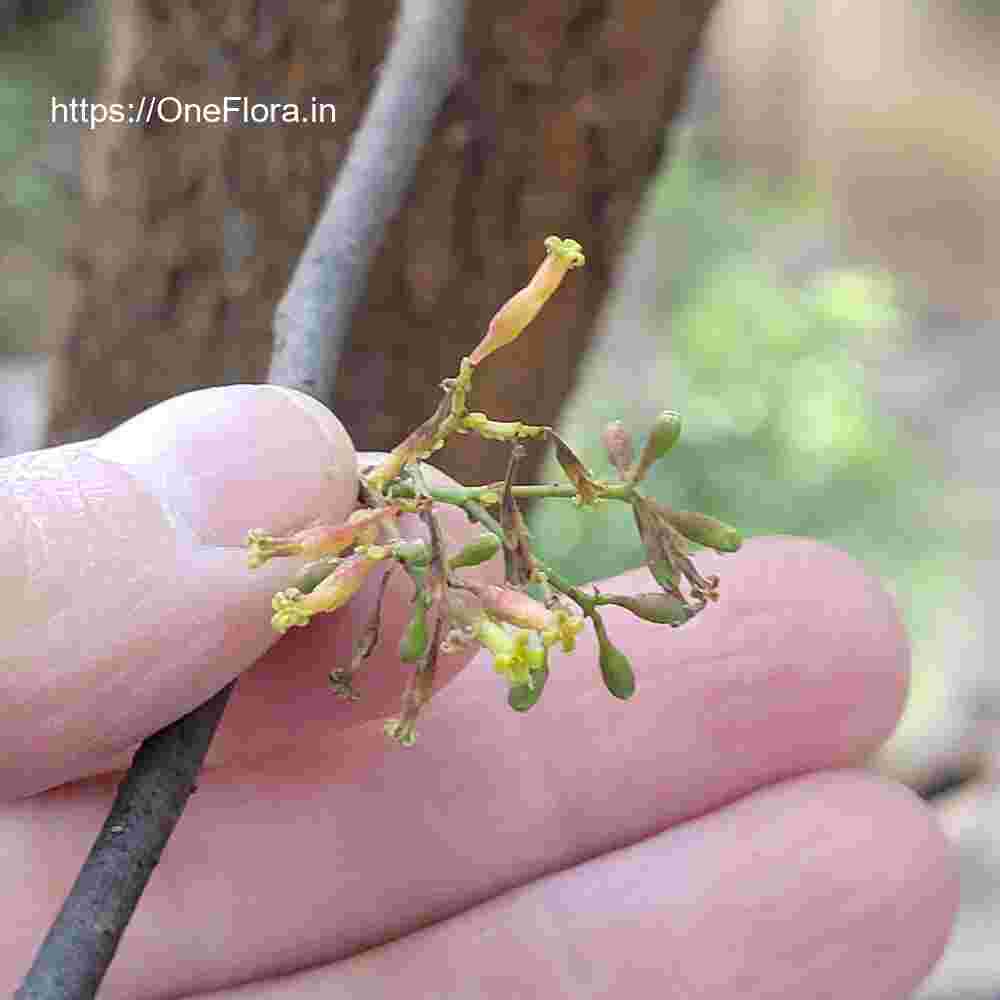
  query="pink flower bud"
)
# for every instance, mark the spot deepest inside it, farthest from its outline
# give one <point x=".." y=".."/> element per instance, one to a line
<point x="618" y="444"/>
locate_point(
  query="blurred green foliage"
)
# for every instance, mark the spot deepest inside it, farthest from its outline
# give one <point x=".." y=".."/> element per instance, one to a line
<point x="39" y="60"/>
<point x="768" y="361"/>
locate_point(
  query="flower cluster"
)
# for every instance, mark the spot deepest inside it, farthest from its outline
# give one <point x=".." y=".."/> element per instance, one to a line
<point x="527" y="617"/>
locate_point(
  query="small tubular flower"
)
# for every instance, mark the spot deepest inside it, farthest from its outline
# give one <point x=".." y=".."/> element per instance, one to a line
<point x="512" y="606"/>
<point x="320" y="540"/>
<point x="519" y="310"/>
<point x="291" y="607"/>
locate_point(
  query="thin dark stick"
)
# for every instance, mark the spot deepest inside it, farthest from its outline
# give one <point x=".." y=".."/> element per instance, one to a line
<point x="313" y="319"/>
<point x="310" y="325"/>
<point x="81" y="943"/>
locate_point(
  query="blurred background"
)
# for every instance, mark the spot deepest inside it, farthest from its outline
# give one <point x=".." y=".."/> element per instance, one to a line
<point x="804" y="271"/>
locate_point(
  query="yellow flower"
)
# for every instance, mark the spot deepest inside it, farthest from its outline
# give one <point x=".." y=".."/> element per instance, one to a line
<point x="564" y="629"/>
<point x="518" y="608"/>
<point x="513" y="655"/>
<point x="292" y="607"/>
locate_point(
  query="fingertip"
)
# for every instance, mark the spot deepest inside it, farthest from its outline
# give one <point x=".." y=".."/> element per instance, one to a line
<point x="803" y="662"/>
<point x="126" y="578"/>
<point x="848" y="624"/>
<point x="230" y="458"/>
<point x="863" y="825"/>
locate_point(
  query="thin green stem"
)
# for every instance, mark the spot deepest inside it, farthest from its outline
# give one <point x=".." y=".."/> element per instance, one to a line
<point x="478" y="513"/>
<point x="588" y="604"/>
<point x="461" y="495"/>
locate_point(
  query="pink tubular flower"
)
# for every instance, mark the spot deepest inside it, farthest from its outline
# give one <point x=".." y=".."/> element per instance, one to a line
<point x="519" y="310"/>
<point x="512" y="606"/>
<point x="320" y="540"/>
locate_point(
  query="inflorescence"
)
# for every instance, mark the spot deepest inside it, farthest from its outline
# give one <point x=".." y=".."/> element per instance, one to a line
<point x="535" y="609"/>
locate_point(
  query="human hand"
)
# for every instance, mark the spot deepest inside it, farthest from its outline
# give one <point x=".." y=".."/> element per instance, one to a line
<point x="704" y="839"/>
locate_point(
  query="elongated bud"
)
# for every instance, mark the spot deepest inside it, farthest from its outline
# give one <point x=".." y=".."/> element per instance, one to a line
<point x="415" y="553"/>
<point x="663" y="436"/>
<point x="313" y="574"/>
<point x="618" y="444"/>
<point x="703" y="529"/>
<point x="663" y="609"/>
<point x="615" y="667"/>
<point x="521" y="697"/>
<point x="486" y="546"/>
<point x="413" y="642"/>
<point x="519" y="310"/>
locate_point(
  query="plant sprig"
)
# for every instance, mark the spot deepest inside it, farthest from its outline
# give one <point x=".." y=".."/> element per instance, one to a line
<point x="520" y="621"/>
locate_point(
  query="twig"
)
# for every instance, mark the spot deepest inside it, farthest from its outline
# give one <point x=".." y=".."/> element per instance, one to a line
<point x="81" y="943"/>
<point x="310" y="325"/>
<point x="313" y="318"/>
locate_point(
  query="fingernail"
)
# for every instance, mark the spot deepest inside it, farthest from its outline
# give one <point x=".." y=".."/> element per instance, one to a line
<point x="227" y="459"/>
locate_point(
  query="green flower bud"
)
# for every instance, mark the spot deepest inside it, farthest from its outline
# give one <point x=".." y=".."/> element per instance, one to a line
<point x="617" y="671"/>
<point x="413" y="643"/>
<point x="704" y="530"/>
<point x="486" y="546"/>
<point x="522" y="696"/>
<point x="313" y="574"/>
<point x="415" y="553"/>
<point x="615" y="667"/>
<point x="663" y="436"/>
<point x="663" y="609"/>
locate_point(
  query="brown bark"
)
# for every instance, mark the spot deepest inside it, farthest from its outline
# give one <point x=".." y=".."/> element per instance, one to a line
<point x="191" y="231"/>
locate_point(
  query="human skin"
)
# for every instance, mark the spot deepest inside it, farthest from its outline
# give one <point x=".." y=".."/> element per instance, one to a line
<point x="709" y="838"/>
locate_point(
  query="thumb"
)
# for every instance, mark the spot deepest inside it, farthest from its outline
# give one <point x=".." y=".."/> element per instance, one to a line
<point x="126" y="596"/>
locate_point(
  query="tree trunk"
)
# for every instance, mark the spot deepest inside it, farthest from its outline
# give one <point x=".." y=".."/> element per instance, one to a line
<point x="191" y="230"/>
